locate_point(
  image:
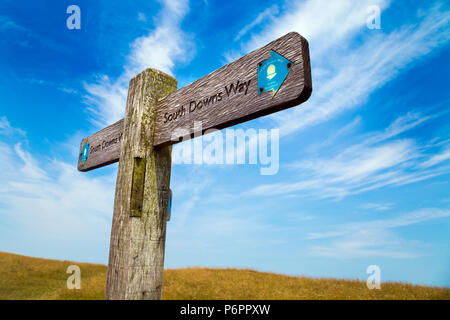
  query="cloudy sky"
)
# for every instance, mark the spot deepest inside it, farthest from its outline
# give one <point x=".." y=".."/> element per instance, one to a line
<point x="364" y="163"/>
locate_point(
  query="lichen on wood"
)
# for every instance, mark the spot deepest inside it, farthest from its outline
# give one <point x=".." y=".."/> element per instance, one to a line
<point x="138" y="234"/>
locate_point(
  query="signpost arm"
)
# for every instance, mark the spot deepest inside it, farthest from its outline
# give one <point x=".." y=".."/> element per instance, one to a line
<point x="136" y="258"/>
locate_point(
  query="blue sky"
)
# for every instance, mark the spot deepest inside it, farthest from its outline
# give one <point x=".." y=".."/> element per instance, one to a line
<point x="364" y="163"/>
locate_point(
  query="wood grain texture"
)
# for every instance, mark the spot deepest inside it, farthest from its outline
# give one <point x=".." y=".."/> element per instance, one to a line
<point x="104" y="147"/>
<point x="230" y="110"/>
<point x="138" y="234"/>
<point x="240" y="107"/>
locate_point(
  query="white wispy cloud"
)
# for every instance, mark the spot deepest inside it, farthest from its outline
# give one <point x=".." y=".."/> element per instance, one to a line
<point x="161" y="48"/>
<point x="316" y="20"/>
<point x="404" y="220"/>
<point x="51" y="204"/>
<point x="368" y="243"/>
<point x="267" y="14"/>
<point x="47" y="83"/>
<point x="378" y="161"/>
<point x="400" y="125"/>
<point x="142" y="17"/>
<point x="198" y="182"/>
<point x="106" y="99"/>
<point x="437" y="158"/>
<point x="375" y="237"/>
<point x="30" y="168"/>
<point x="377" y="206"/>
<point x="7" y="24"/>
<point x="345" y="70"/>
<point x="7" y="129"/>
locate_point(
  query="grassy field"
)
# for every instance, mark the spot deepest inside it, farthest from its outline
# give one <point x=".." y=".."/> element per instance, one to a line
<point x="33" y="278"/>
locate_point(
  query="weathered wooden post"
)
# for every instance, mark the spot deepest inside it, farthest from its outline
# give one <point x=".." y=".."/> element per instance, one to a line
<point x="138" y="235"/>
<point x="269" y="79"/>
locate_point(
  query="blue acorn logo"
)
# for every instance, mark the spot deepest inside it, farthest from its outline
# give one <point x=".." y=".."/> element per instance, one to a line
<point x="85" y="153"/>
<point x="272" y="72"/>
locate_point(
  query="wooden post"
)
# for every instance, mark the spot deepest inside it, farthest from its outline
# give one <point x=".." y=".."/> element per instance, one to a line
<point x="272" y="78"/>
<point x="138" y="235"/>
<point x="240" y="91"/>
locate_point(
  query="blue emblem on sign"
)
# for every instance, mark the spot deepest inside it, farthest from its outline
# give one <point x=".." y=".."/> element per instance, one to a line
<point x="169" y="205"/>
<point x="272" y="72"/>
<point x="85" y="153"/>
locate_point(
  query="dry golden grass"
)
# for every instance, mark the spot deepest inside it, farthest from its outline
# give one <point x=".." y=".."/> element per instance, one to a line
<point x="207" y="283"/>
<point x="33" y="278"/>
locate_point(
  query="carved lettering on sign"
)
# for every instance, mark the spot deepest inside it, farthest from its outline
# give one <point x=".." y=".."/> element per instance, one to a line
<point x="197" y="105"/>
<point x="105" y="144"/>
<point x="272" y="78"/>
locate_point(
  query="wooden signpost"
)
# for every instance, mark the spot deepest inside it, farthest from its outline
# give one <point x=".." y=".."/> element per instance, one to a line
<point x="272" y="78"/>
